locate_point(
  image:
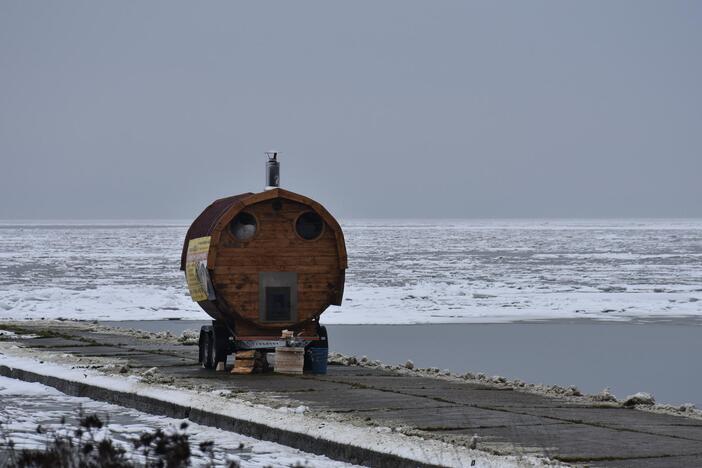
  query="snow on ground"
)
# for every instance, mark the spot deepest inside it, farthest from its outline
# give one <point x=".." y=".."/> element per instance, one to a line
<point x="11" y="336"/>
<point x="100" y="303"/>
<point x="373" y="438"/>
<point x="26" y="405"/>
<point x="407" y="271"/>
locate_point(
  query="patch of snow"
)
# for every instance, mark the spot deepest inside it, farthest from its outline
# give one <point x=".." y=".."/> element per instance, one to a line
<point x="26" y="405"/>
<point x="10" y="387"/>
<point x="10" y="335"/>
<point x="640" y="398"/>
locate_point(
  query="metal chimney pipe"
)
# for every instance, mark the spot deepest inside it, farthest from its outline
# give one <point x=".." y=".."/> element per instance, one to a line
<point x="272" y="170"/>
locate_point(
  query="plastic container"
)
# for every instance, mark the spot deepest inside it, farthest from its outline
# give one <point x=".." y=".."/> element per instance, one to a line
<point x="316" y="360"/>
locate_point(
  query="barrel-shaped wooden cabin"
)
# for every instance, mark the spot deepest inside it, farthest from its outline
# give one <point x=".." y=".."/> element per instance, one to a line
<point x="259" y="263"/>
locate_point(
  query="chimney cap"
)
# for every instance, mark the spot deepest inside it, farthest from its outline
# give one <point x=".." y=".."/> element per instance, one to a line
<point x="272" y="170"/>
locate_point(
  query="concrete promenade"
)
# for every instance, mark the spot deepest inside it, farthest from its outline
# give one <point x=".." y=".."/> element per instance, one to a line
<point x="507" y="421"/>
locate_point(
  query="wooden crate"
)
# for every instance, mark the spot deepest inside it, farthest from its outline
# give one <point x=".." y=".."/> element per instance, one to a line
<point x="250" y="354"/>
<point x="289" y="360"/>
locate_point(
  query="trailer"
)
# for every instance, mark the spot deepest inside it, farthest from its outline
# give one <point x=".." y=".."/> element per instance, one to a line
<point x="261" y="263"/>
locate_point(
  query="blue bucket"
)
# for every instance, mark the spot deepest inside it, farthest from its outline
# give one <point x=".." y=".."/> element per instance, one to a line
<point x="316" y="360"/>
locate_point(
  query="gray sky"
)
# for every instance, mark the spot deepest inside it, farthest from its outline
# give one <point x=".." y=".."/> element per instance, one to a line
<point x="381" y="109"/>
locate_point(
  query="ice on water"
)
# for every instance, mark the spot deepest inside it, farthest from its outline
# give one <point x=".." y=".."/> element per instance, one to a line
<point x="408" y="271"/>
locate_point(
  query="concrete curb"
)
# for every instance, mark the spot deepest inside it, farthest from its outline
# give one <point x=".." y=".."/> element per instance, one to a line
<point x="290" y="438"/>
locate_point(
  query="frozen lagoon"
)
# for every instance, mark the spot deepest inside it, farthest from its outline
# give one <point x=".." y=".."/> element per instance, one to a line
<point x="400" y="271"/>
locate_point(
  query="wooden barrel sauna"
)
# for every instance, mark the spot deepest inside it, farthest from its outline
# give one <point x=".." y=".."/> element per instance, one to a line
<point x="259" y="263"/>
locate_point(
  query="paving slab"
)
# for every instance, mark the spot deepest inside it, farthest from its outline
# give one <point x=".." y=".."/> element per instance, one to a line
<point x="483" y="397"/>
<point x="52" y="342"/>
<point x="444" y="391"/>
<point x="112" y="340"/>
<point x="674" y="430"/>
<point x="273" y="384"/>
<point x="94" y="351"/>
<point x="580" y="442"/>
<point x="682" y="461"/>
<point x="163" y="348"/>
<point x="137" y="360"/>
<point x="611" y="415"/>
<point x="357" y="399"/>
<point x="453" y="417"/>
<point x="624" y="418"/>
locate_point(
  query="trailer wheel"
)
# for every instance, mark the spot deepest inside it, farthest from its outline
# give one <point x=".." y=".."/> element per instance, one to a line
<point x="206" y="347"/>
<point x="221" y="342"/>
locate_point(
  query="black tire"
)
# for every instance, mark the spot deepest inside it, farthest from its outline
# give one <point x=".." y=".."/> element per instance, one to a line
<point x="221" y="343"/>
<point x="206" y="347"/>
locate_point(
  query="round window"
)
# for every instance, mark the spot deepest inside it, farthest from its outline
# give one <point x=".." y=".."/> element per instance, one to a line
<point x="243" y="226"/>
<point x="309" y="225"/>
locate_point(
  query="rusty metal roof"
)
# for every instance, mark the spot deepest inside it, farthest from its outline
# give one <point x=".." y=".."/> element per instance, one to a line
<point x="205" y="223"/>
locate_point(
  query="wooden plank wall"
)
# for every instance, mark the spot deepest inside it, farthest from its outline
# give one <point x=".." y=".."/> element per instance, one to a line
<point x="277" y="247"/>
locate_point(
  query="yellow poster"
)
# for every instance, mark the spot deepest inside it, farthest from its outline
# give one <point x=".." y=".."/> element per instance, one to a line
<point x="196" y="273"/>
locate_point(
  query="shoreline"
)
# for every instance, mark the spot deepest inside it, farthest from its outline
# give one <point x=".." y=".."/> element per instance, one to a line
<point x="626" y="357"/>
<point x="402" y="407"/>
<point x="558" y="390"/>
